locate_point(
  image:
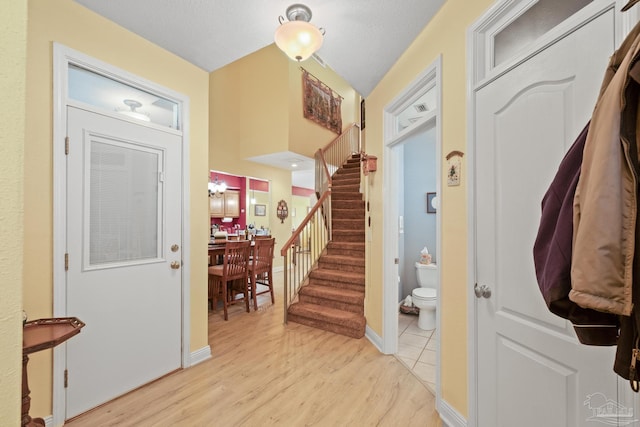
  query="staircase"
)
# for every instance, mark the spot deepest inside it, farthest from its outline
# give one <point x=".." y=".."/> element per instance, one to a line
<point x="333" y="296"/>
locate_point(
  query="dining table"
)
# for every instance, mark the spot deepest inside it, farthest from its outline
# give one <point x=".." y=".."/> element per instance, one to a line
<point x="216" y="250"/>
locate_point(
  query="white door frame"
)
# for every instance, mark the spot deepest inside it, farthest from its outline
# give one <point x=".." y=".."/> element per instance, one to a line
<point x="480" y="72"/>
<point x="62" y="57"/>
<point x="431" y="76"/>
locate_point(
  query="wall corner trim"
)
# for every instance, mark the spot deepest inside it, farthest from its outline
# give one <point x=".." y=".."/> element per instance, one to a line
<point x="200" y="355"/>
<point x="375" y="339"/>
<point x="450" y="417"/>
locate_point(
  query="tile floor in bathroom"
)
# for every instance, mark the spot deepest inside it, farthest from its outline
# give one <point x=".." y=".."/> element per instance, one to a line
<point x="417" y="349"/>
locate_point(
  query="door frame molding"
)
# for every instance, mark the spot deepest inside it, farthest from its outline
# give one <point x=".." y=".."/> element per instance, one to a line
<point x="429" y="77"/>
<point x="480" y="37"/>
<point x="62" y="57"/>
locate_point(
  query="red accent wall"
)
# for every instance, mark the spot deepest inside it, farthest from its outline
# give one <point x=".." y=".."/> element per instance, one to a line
<point x="300" y="191"/>
<point x="233" y="182"/>
<point x="259" y="185"/>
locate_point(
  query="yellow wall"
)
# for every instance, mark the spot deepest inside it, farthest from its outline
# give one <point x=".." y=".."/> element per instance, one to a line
<point x="262" y="198"/>
<point x="248" y="115"/>
<point x="247" y="118"/>
<point x="445" y="35"/>
<point x="13" y="46"/>
<point x="72" y="25"/>
<point x="300" y="204"/>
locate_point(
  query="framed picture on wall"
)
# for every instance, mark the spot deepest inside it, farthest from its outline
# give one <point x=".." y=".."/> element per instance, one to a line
<point x="260" y="210"/>
<point x="431" y="203"/>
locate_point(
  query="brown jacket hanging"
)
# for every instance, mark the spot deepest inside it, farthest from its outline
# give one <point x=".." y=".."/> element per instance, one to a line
<point x="605" y="203"/>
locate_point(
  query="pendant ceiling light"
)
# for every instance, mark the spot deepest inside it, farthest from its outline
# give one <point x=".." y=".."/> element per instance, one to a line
<point x="298" y="38"/>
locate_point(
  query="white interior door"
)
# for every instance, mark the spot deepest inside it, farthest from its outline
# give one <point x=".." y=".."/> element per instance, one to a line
<point x="124" y="244"/>
<point x="531" y="369"/>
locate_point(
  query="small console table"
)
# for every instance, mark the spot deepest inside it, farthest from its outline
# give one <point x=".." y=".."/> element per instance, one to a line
<point x="39" y="335"/>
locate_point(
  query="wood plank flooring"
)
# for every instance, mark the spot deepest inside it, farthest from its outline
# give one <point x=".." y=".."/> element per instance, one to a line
<point x="265" y="373"/>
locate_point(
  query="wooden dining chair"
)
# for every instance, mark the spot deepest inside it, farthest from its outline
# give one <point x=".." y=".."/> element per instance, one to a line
<point x="261" y="269"/>
<point x="234" y="268"/>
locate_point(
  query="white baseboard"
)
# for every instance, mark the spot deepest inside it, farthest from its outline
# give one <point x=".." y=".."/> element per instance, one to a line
<point x="374" y="338"/>
<point x="48" y="421"/>
<point x="450" y="417"/>
<point x="200" y="355"/>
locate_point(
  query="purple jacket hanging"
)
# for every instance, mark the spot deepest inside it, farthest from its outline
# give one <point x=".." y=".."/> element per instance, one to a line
<point x="553" y="248"/>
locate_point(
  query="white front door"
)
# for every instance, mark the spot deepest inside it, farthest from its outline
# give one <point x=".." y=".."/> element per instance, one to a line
<point x="531" y="370"/>
<point x="124" y="247"/>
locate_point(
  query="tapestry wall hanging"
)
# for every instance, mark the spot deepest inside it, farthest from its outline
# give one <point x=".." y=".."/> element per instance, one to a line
<point x="320" y="103"/>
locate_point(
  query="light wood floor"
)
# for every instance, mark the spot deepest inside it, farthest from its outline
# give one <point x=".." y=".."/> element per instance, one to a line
<point x="264" y="373"/>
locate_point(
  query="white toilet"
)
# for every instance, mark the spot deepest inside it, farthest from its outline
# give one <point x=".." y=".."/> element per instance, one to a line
<point x="425" y="296"/>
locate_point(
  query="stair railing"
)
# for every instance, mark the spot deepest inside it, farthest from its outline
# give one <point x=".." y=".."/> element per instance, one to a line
<point x="331" y="157"/>
<point x="302" y="251"/>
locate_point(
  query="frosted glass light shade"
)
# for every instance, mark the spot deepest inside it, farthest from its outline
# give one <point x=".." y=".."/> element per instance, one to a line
<point x="298" y="39"/>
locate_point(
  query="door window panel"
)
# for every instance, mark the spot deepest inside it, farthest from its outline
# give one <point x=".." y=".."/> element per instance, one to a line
<point x="124" y="203"/>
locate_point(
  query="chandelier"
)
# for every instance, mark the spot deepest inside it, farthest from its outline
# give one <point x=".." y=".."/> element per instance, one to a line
<point x="216" y="187"/>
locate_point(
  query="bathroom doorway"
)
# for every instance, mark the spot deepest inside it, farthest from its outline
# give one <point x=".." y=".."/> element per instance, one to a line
<point x="417" y="248"/>
<point x="412" y="220"/>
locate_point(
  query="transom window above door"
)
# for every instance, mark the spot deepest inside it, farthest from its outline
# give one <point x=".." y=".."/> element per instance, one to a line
<point x="531" y="24"/>
<point x="103" y="92"/>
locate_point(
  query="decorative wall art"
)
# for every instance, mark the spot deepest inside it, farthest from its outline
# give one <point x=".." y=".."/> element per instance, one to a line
<point x="282" y="211"/>
<point x="454" y="160"/>
<point x="320" y="103"/>
<point x="432" y="203"/>
<point x="260" y="210"/>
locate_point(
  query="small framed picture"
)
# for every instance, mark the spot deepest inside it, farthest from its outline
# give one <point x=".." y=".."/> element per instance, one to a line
<point x="431" y="203"/>
<point x="261" y="210"/>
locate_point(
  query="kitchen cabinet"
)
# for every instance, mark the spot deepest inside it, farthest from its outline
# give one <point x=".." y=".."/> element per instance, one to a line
<point x="224" y="205"/>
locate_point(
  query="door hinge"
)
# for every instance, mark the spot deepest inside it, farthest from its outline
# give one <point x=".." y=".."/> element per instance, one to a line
<point x="66" y="145"/>
<point x="66" y="262"/>
<point x="66" y="378"/>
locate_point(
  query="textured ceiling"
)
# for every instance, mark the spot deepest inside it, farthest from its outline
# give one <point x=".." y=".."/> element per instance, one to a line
<point x="363" y="39"/>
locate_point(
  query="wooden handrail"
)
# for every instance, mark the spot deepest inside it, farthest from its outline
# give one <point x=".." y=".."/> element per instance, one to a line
<point x="304" y="223"/>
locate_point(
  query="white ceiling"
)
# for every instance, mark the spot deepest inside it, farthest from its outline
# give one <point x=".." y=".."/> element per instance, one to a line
<point x="302" y="168"/>
<point x="363" y="39"/>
